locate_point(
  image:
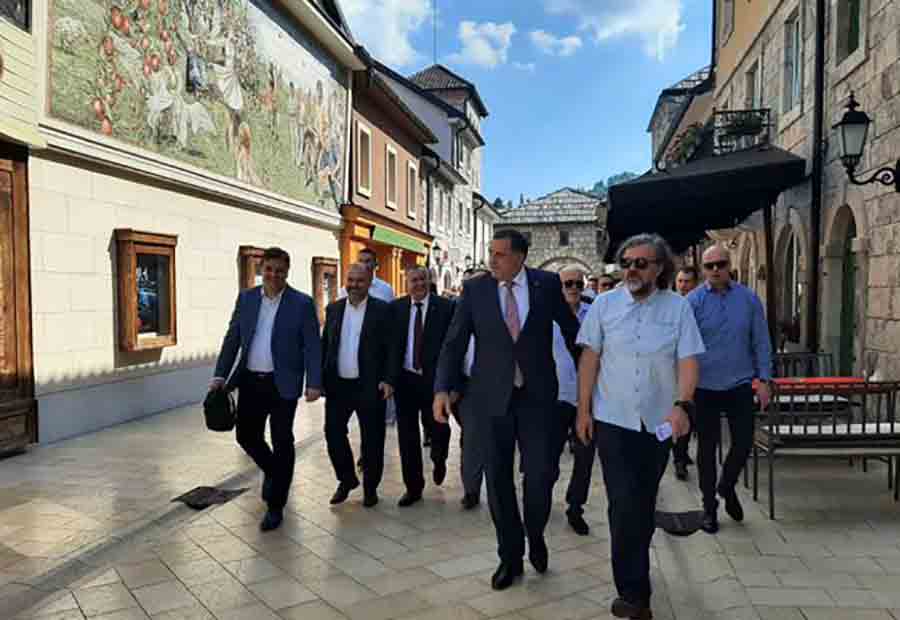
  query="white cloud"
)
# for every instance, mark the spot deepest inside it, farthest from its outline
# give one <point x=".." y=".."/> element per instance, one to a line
<point x="555" y="46"/>
<point x="385" y="27"/>
<point x="528" y="67"/>
<point x="485" y="45"/>
<point x="656" y="22"/>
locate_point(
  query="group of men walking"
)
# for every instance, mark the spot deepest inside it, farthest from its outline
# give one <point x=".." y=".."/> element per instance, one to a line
<point x="523" y="359"/>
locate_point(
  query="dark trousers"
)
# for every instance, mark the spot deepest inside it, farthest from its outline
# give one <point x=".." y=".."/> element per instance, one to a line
<point x="258" y="400"/>
<point x="471" y="444"/>
<point x="580" y="483"/>
<point x="532" y="430"/>
<point x="633" y="464"/>
<point x="343" y="400"/>
<point x="680" y="447"/>
<point x="737" y="404"/>
<point x="414" y="398"/>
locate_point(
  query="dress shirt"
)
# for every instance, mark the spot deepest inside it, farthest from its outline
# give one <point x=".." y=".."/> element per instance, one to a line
<point x="520" y="292"/>
<point x="259" y="358"/>
<point x="640" y="344"/>
<point x="469" y="359"/>
<point x="409" y="357"/>
<point x="351" y="329"/>
<point x="379" y="289"/>
<point x="734" y="328"/>
<point x="566" y="372"/>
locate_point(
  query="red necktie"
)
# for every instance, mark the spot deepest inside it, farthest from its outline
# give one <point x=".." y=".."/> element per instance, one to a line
<point x="418" y="340"/>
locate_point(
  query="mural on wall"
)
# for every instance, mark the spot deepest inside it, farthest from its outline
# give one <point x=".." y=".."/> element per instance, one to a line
<point x="226" y="85"/>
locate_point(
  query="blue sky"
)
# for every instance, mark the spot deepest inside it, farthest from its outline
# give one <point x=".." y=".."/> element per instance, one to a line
<point x="570" y="84"/>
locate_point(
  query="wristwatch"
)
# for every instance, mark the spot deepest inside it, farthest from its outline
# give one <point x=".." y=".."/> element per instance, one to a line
<point x="686" y="405"/>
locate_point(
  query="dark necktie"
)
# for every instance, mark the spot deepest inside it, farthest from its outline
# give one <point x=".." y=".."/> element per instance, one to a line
<point x="418" y="340"/>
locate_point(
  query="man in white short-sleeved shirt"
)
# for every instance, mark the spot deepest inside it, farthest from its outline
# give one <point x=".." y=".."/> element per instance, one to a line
<point x="637" y="373"/>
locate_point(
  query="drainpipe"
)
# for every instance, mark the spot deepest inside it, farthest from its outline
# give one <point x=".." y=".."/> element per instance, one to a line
<point x="475" y="230"/>
<point x="812" y="312"/>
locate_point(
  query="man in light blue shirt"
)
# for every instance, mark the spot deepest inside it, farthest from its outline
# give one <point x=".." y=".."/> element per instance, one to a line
<point x="731" y="319"/>
<point x="572" y="278"/>
<point x="637" y="374"/>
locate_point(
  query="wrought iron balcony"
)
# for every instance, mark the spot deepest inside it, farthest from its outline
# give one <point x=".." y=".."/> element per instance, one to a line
<point x="735" y="130"/>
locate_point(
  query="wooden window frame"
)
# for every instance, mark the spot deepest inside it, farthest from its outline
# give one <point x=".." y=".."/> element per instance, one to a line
<point x="365" y="190"/>
<point x="389" y="151"/>
<point x="129" y="244"/>
<point x="412" y="189"/>
<point x="320" y="263"/>
<point x="249" y="256"/>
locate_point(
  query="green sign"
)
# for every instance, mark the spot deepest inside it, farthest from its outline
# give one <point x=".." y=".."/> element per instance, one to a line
<point x="398" y="239"/>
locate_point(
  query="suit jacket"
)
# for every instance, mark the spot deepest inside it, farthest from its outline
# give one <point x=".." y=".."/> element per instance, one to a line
<point x="437" y="322"/>
<point x="478" y="312"/>
<point x="375" y="354"/>
<point x="296" y="349"/>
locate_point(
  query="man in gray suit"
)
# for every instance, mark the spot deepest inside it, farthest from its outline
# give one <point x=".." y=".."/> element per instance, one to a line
<point x="276" y="331"/>
<point x="512" y="393"/>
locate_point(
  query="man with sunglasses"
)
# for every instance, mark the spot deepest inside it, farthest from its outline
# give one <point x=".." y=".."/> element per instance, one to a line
<point x="734" y="328"/>
<point x="572" y="278"/>
<point x="636" y="381"/>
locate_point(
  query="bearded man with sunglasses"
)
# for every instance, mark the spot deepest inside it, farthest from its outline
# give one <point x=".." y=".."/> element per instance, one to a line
<point x="734" y="329"/>
<point x="636" y="379"/>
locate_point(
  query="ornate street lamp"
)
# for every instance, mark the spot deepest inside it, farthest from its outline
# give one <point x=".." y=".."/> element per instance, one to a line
<point x="852" y="132"/>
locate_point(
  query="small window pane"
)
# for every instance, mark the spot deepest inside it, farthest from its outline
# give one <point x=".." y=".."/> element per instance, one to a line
<point x="153" y="292"/>
<point x="365" y="159"/>
<point x="18" y="12"/>
<point x="564" y="237"/>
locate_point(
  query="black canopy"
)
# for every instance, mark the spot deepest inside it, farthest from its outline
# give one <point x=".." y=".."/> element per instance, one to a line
<point x="707" y="194"/>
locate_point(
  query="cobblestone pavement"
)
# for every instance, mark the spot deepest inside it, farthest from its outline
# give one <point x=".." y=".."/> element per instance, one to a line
<point x="87" y="531"/>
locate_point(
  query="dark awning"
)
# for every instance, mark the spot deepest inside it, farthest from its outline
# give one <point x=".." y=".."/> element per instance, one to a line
<point x="706" y="194"/>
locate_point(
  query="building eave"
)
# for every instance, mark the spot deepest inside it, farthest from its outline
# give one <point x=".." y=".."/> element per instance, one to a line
<point x="326" y="32"/>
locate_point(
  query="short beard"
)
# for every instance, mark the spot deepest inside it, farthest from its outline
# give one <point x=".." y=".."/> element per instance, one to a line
<point x="639" y="287"/>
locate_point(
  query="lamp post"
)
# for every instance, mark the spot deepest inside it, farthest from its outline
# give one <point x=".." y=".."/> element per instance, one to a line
<point x="852" y="132"/>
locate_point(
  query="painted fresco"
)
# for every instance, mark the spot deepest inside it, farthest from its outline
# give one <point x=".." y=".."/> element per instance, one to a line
<point x="226" y="85"/>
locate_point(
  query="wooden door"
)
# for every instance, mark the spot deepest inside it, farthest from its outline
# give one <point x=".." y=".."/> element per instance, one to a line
<point x="18" y="410"/>
<point x="847" y="353"/>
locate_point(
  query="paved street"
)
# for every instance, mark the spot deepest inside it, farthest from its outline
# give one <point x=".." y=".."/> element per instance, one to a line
<point x="91" y="533"/>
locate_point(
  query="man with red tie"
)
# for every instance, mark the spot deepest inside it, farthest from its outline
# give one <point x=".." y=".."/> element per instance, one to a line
<point x="420" y="321"/>
<point x="512" y="394"/>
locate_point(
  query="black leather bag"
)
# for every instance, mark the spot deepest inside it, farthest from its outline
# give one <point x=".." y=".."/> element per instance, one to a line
<point x="220" y="411"/>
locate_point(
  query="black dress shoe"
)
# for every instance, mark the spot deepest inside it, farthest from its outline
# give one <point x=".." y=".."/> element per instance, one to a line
<point x="440" y="472"/>
<point x="272" y="520"/>
<point x="710" y="523"/>
<point x="538" y="555"/>
<point x="342" y="493"/>
<point x="370" y="499"/>
<point x="623" y="609"/>
<point x="409" y="499"/>
<point x="578" y="524"/>
<point x="506" y="574"/>
<point x="469" y="501"/>
<point x="732" y="505"/>
<point x="681" y="471"/>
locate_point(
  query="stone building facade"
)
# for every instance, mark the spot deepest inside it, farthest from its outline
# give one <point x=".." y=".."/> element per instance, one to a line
<point x="764" y="60"/>
<point x="564" y="227"/>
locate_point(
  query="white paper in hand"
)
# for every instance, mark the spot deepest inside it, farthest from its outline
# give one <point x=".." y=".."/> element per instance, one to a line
<point x="664" y="431"/>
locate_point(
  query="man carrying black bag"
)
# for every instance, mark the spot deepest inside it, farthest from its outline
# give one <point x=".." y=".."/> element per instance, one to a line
<point x="276" y="331"/>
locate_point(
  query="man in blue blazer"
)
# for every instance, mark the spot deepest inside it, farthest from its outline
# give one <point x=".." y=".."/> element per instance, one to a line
<point x="274" y="336"/>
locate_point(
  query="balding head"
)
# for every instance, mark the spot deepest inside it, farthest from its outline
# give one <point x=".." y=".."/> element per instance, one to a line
<point x="359" y="279"/>
<point x="716" y="263"/>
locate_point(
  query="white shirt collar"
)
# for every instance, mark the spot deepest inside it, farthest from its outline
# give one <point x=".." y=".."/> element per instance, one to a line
<point x="424" y="302"/>
<point x="521" y="279"/>
<point x="632" y="300"/>
<point x="361" y="306"/>
<point x="276" y="299"/>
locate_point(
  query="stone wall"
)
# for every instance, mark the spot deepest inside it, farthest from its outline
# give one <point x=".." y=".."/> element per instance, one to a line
<point x="546" y="253"/>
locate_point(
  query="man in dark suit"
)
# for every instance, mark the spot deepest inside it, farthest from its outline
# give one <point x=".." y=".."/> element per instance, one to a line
<point x="276" y="330"/>
<point x="357" y="373"/>
<point x="420" y="322"/>
<point x="513" y="389"/>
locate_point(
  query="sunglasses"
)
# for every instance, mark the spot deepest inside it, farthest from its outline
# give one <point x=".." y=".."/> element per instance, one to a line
<point x="640" y="263"/>
<point x="579" y="284"/>
<point x="719" y="264"/>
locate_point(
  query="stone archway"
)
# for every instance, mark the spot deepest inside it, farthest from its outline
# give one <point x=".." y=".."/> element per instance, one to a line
<point x="559" y="263"/>
<point x="844" y="292"/>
